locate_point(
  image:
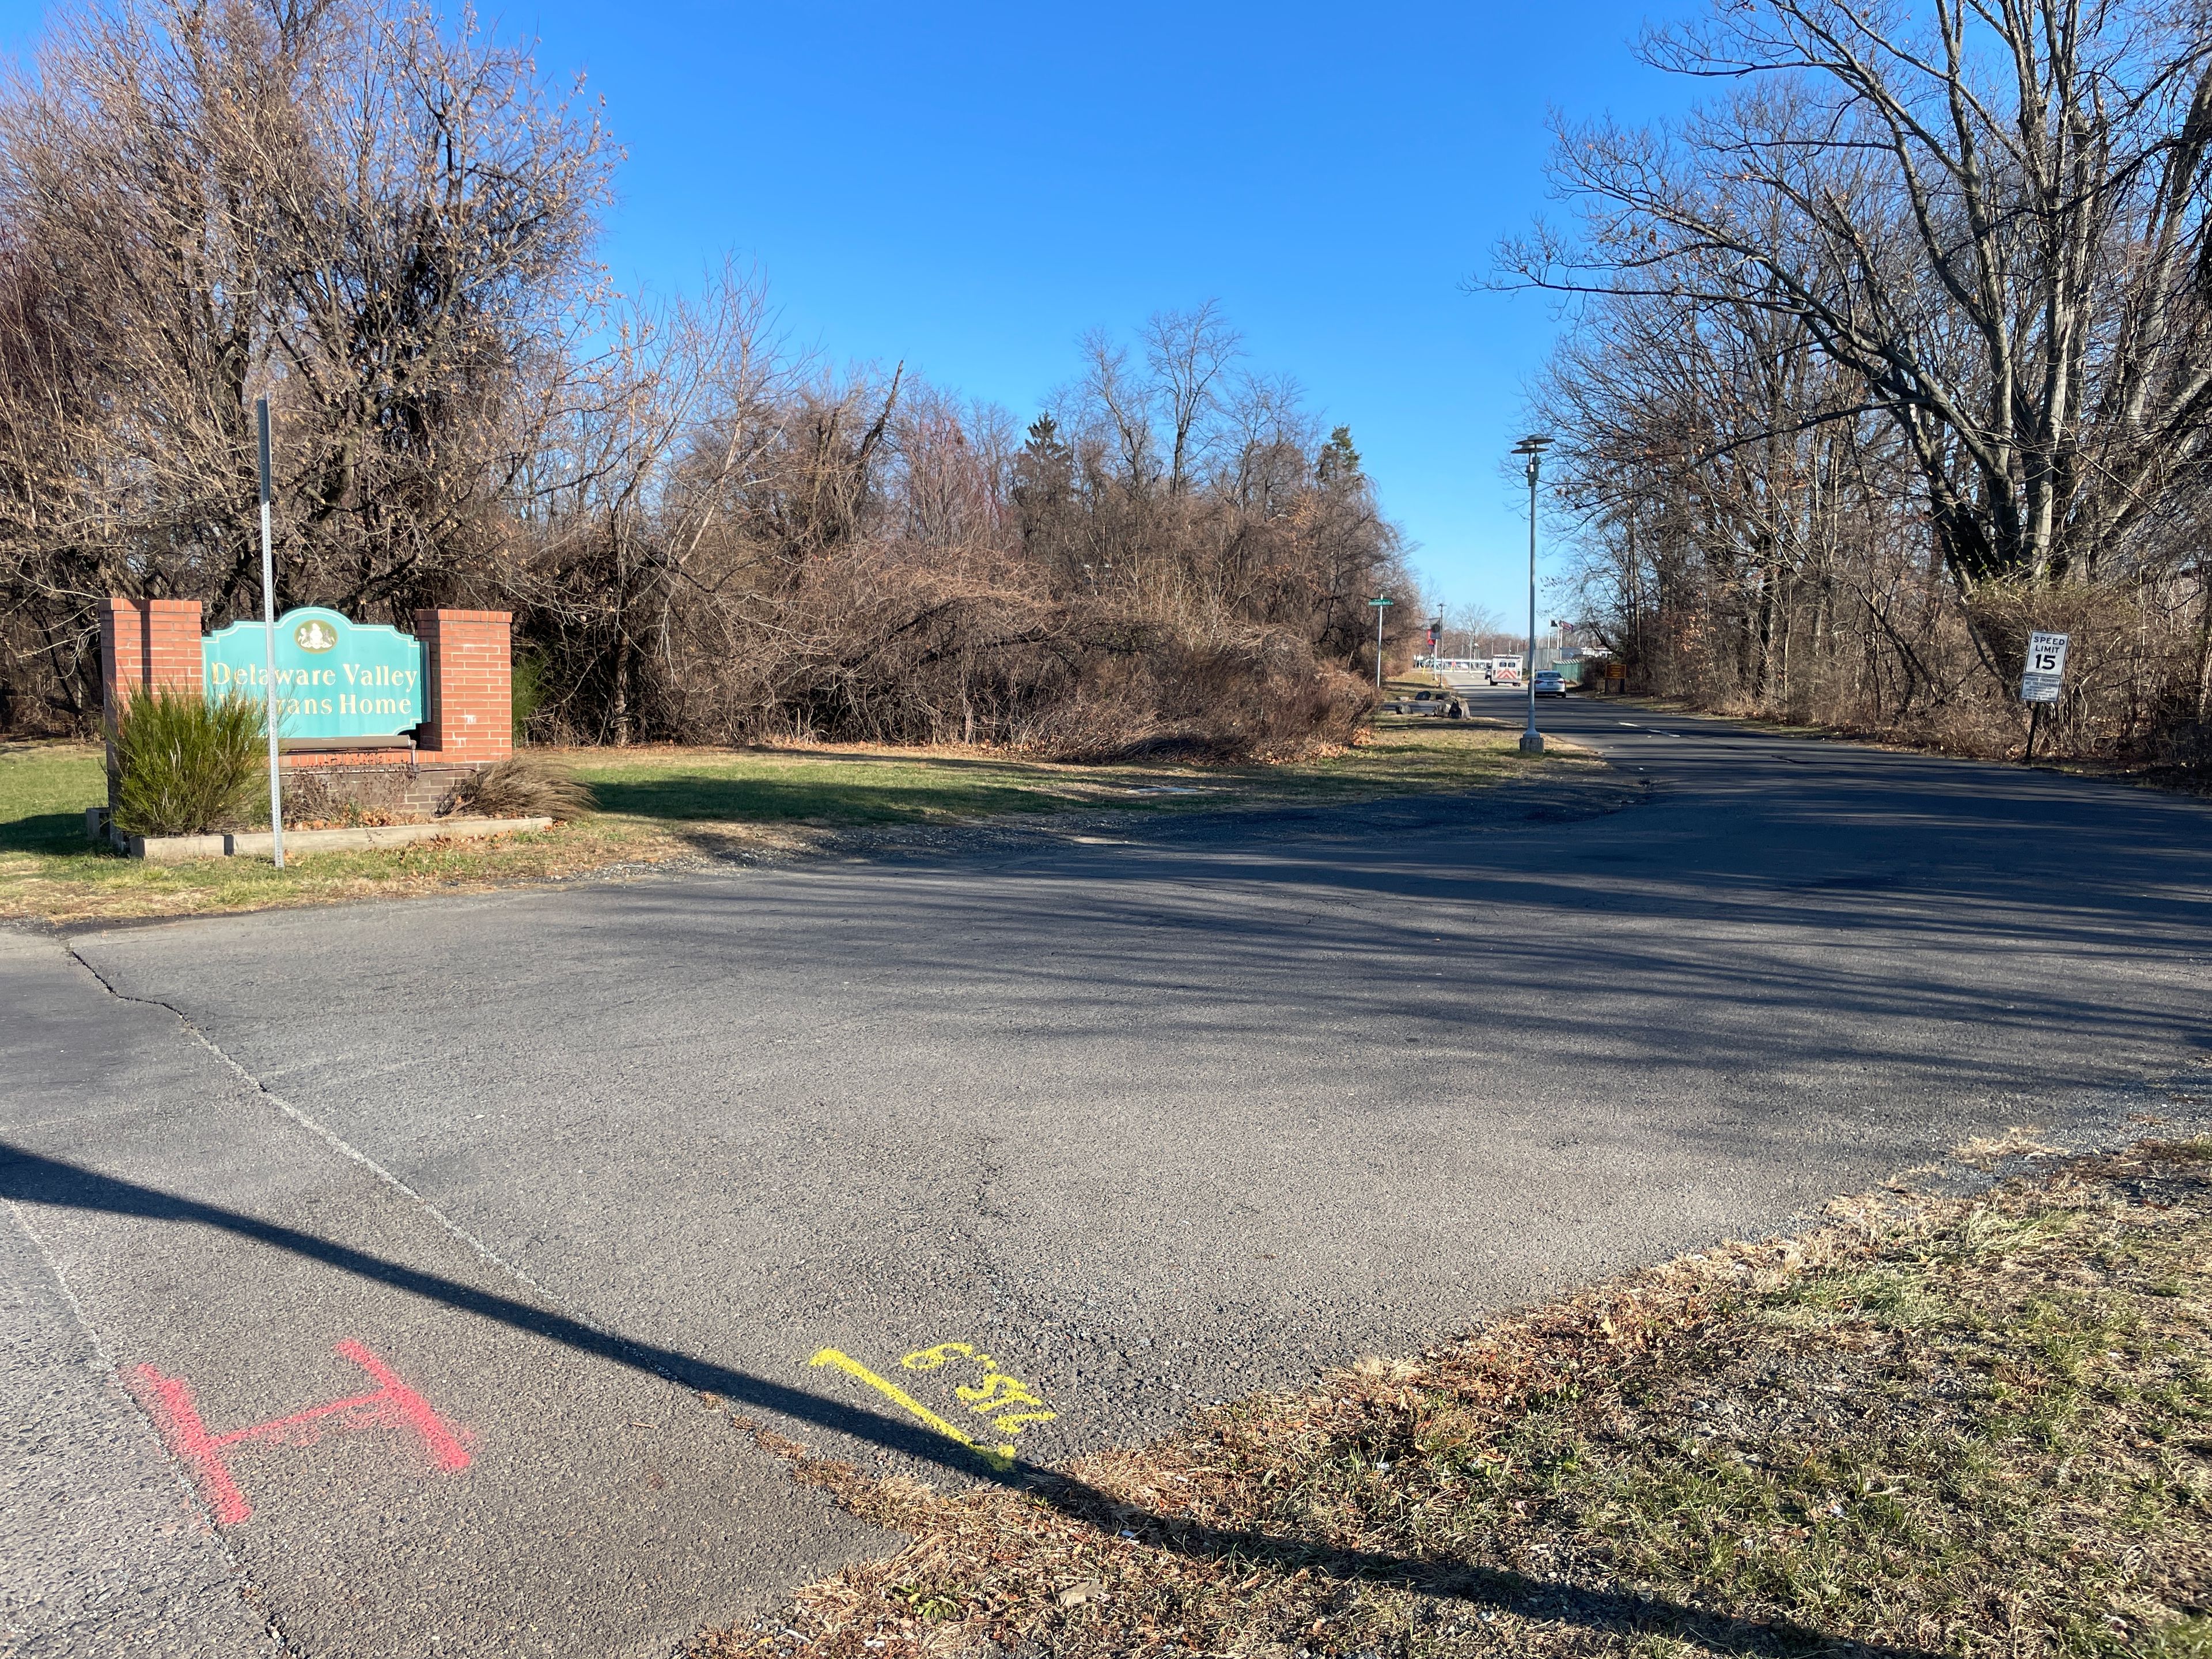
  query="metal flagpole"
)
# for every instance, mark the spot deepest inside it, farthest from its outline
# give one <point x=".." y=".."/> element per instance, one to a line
<point x="269" y="642"/>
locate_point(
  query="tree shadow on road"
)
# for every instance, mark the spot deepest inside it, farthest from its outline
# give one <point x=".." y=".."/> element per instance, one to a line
<point x="31" y="1178"/>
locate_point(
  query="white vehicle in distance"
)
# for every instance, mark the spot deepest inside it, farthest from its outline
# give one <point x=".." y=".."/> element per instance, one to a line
<point x="1550" y="682"/>
<point x="1504" y="670"/>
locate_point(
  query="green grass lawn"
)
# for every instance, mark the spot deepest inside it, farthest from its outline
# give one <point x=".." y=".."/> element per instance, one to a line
<point x="660" y="803"/>
<point x="836" y="788"/>
<point x="44" y="791"/>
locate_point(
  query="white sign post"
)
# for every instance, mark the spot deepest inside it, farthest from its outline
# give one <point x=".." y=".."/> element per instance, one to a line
<point x="269" y="636"/>
<point x="2040" y="680"/>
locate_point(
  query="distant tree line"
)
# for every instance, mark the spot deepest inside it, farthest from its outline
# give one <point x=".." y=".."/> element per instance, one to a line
<point x="1897" y="350"/>
<point x="385" y="222"/>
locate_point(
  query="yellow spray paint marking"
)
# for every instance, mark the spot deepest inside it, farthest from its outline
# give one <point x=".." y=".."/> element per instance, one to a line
<point x="928" y="1359"/>
<point x="1000" y="1458"/>
<point x="998" y="1390"/>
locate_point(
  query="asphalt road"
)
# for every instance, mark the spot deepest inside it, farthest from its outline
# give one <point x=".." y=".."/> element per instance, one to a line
<point x="1151" y="1116"/>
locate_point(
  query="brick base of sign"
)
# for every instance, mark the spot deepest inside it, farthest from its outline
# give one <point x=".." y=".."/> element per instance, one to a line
<point x="333" y="785"/>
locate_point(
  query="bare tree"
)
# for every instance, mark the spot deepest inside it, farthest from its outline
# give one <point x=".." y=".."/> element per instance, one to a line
<point x="381" y="224"/>
<point x="1188" y="352"/>
<point x="1994" y="218"/>
<point x="1953" y="254"/>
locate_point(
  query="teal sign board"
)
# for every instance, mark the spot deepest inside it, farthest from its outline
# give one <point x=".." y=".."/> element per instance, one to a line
<point x="335" y="678"/>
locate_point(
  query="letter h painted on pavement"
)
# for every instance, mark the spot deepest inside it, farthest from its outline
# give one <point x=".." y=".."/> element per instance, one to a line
<point x="392" y="1404"/>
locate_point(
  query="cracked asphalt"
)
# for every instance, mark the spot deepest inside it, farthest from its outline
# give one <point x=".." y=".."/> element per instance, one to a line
<point x="1151" y="1115"/>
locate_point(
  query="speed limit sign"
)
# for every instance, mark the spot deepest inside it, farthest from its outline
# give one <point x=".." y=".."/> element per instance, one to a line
<point x="2046" y="670"/>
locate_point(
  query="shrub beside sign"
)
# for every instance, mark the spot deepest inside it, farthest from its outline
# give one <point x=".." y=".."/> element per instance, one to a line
<point x="335" y="678"/>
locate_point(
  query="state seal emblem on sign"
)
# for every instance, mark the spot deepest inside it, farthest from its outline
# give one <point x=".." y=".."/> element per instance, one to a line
<point x="314" y="636"/>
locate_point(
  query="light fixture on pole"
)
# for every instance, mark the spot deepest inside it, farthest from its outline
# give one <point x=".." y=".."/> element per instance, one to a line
<point x="1533" y="445"/>
<point x="1379" y="606"/>
<point x="268" y="640"/>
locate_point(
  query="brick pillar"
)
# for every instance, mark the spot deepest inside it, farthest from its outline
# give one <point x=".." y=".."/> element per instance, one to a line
<point x="468" y="702"/>
<point x="144" y="643"/>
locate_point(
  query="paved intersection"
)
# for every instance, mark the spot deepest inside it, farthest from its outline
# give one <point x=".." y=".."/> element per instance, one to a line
<point x="1157" y="1116"/>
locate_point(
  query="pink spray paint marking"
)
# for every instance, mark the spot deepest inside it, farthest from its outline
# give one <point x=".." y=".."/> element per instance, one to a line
<point x="169" y="1401"/>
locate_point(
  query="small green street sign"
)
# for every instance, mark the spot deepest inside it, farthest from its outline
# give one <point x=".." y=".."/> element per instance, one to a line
<point x="335" y="678"/>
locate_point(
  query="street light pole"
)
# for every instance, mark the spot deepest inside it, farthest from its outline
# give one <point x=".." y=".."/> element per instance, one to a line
<point x="1378" y="606"/>
<point x="1533" y="445"/>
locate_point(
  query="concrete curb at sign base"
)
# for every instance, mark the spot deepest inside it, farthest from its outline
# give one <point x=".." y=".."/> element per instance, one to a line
<point x="178" y="850"/>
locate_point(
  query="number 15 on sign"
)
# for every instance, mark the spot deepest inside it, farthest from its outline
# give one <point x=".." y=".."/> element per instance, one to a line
<point x="2046" y="670"/>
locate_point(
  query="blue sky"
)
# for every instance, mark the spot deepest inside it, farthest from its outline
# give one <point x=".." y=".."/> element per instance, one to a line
<point x="970" y="188"/>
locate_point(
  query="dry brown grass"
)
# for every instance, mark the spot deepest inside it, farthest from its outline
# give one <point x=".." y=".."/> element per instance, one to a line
<point x="1959" y="1426"/>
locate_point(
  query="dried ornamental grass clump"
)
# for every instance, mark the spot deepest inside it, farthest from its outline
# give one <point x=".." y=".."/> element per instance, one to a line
<point x="522" y="786"/>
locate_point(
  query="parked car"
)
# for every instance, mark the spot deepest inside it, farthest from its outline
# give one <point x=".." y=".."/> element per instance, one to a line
<point x="1440" y="703"/>
<point x="1550" y="682"/>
